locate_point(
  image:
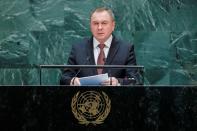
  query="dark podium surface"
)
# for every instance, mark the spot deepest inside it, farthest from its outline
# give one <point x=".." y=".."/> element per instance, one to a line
<point x="134" y="108"/>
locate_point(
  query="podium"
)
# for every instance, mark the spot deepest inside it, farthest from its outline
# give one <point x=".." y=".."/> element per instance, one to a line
<point x="136" y="71"/>
<point x="136" y="108"/>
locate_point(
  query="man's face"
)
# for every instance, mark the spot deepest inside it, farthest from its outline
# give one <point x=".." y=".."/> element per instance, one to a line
<point x="102" y="25"/>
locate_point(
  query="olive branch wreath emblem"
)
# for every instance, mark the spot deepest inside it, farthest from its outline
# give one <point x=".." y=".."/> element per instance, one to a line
<point x="82" y="118"/>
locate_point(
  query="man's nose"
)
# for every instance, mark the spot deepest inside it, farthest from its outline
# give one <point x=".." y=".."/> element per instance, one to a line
<point x="100" y="26"/>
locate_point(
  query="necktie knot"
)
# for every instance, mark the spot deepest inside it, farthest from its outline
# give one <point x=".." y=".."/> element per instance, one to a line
<point x="101" y="46"/>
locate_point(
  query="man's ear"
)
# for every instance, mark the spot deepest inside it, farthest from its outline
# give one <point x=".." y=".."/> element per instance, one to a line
<point x="114" y="25"/>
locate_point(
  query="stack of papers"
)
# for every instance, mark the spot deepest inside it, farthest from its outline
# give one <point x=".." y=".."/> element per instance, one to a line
<point x="94" y="80"/>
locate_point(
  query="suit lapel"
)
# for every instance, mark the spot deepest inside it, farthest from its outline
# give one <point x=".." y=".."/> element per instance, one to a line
<point x="112" y="51"/>
<point x="90" y="54"/>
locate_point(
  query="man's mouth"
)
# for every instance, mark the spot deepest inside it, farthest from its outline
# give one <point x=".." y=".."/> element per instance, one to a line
<point x="100" y="33"/>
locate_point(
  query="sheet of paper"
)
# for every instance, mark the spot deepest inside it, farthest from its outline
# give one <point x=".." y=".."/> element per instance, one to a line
<point x="93" y="80"/>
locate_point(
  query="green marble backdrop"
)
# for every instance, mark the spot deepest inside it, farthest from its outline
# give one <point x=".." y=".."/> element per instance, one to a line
<point x="34" y="32"/>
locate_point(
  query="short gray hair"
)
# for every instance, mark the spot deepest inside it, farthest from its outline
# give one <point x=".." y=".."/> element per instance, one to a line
<point x="101" y="9"/>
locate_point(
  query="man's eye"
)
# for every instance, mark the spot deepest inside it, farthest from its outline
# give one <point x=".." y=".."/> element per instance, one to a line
<point x="95" y="23"/>
<point x="104" y="23"/>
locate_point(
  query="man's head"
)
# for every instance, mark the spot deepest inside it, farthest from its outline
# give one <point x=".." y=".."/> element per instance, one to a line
<point x="102" y="23"/>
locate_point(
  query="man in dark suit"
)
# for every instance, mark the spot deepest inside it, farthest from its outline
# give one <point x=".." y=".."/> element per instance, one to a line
<point x="90" y="52"/>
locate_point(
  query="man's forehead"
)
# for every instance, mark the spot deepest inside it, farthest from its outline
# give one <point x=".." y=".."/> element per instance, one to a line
<point x="104" y="15"/>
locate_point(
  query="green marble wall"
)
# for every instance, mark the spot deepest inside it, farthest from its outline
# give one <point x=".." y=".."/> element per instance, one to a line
<point x="34" y="32"/>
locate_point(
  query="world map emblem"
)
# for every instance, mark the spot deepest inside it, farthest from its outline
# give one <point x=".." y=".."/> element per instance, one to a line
<point x="90" y="107"/>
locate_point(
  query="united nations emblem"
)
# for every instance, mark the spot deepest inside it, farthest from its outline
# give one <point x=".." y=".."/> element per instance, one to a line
<point x="90" y="107"/>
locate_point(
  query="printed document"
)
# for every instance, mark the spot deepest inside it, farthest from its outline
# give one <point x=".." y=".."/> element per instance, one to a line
<point x="94" y="80"/>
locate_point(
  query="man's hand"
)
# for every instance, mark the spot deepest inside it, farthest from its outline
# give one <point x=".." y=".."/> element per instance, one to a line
<point x="111" y="81"/>
<point x="75" y="81"/>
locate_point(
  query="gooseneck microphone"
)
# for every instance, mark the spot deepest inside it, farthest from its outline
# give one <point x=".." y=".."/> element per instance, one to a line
<point x="86" y="61"/>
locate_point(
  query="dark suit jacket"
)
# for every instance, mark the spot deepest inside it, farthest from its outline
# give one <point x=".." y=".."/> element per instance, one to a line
<point x="120" y="53"/>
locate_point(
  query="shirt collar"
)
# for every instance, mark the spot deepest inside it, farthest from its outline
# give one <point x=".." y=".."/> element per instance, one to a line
<point x="107" y="42"/>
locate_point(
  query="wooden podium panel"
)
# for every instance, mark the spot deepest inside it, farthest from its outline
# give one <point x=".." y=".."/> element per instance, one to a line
<point x="61" y="108"/>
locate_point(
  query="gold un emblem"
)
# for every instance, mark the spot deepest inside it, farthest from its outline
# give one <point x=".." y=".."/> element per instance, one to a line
<point x="90" y="107"/>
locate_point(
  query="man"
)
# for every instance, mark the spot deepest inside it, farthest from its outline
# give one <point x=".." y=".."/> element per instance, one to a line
<point x="89" y="52"/>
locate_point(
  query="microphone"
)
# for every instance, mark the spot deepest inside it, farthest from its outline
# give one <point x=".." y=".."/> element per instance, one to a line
<point x="132" y="79"/>
<point x="87" y="60"/>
